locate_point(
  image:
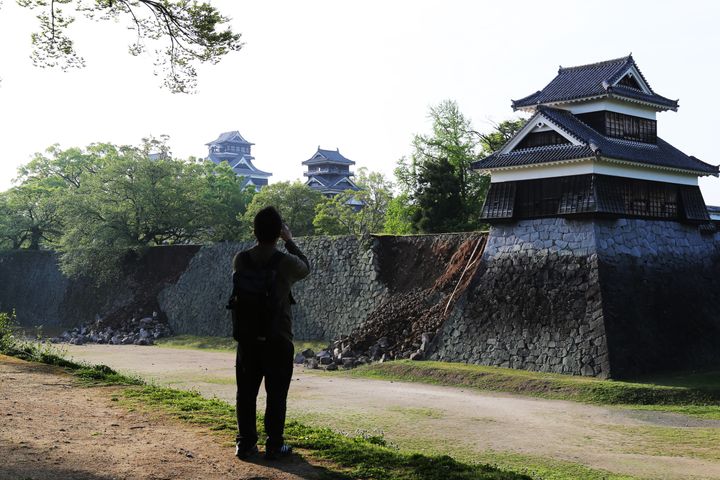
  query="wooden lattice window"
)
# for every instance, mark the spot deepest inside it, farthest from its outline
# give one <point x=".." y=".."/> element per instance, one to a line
<point x="630" y="128"/>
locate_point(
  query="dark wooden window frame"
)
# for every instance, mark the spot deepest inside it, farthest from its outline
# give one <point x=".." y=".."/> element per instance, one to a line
<point x="596" y="195"/>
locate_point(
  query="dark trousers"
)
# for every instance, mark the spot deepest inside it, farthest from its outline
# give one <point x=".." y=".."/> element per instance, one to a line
<point x="272" y="360"/>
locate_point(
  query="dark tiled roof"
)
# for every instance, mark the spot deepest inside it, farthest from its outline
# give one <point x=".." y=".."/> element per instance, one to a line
<point x="227" y="136"/>
<point x="331" y="181"/>
<point x="593" y="80"/>
<point x="331" y="156"/>
<point x="233" y="158"/>
<point x="594" y="143"/>
<point x="532" y="156"/>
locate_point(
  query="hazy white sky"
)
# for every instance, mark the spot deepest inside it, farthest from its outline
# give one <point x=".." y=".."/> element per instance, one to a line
<point x="358" y="75"/>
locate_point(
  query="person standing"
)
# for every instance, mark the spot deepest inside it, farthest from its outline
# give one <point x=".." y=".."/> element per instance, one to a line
<point x="268" y="356"/>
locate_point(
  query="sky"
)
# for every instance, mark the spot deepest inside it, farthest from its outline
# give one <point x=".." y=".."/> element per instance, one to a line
<point x="355" y="75"/>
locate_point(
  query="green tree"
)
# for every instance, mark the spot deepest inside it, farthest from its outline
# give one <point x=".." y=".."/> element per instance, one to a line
<point x="439" y="198"/>
<point x="356" y="212"/>
<point x="500" y="134"/>
<point x="399" y="215"/>
<point x="30" y="214"/>
<point x="193" y="32"/>
<point x="450" y="149"/>
<point x="222" y="201"/>
<point x="294" y="200"/>
<point x="436" y="203"/>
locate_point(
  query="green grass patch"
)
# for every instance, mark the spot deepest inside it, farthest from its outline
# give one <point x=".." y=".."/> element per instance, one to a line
<point x="225" y="344"/>
<point x="196" y="342"/>
<point x="672" y="442"/>
<point x="417" y="412"/>
<point x="698" y="392"/>
<point x="545" y="469"/>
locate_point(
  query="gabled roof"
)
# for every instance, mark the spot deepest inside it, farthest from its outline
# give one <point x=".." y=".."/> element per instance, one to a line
<point x="245" y="166"/>
<point x="328" y="156"/>
<point x="332" y="182"/>
<point x="230" y="137"/>
<point x="591" y="144"/>
<point x="596" y="80"/>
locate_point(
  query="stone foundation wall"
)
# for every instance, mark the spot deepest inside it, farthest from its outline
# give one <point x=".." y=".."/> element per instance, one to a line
<point x="607" y="298"/>
<point x="661" y="295"/>
<point x="337" y="296"/>
<point x="535" y="303"/>
<point x="32" y="285"/>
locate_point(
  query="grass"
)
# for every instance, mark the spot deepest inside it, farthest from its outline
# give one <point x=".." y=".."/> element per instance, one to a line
<point x="673" y="442"/>
<point x="225" y="344"/>
<point x="692" y="394"/>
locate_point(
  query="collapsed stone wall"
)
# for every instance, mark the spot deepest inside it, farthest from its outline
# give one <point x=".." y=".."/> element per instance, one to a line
<point x="535" y="303"/>
<point x="350" y="279"/>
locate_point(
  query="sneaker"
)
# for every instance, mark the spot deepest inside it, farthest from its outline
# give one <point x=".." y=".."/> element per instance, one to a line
<point x="245" y="452"/>
<point x="277" y="452"/>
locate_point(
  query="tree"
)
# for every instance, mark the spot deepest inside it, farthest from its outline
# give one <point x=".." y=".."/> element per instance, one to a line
<point x="97" y="204"/>
<point x="294" y="200"/>
<point x="501" y="133"/>
<point x="193" y="32"/>
<point x="399" y="215"/>
<point x="450" y="151"/>
<point x="356" y="212"/>
<point x="30" y="214"/>
<point x="222" y="200"/>
<point x="438" y="198"/>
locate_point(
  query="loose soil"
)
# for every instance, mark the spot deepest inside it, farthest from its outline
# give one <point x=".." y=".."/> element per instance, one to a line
<point x="462" y="422"/>
<point x="424" y="287"/>
<point x="52" y="428"/>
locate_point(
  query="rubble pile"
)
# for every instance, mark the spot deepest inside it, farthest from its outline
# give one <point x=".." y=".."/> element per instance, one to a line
<point x="405" y="324"/>
<point x="135" y="329"/>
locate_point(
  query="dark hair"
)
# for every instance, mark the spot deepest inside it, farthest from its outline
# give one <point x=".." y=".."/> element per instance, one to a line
<point x="267" y="224"/>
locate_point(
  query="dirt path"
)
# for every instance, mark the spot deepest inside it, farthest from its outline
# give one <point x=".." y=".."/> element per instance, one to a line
<point x="441" y="419"/>
<point x="52" y="428"/>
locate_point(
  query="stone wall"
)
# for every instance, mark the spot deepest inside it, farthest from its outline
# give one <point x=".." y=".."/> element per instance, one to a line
<point x="32" y="285"/>
<point x="598" y="297"/>
<point x="661" y="295"/>
<point x="341" y="291"/>
<point x="535" y="302"/>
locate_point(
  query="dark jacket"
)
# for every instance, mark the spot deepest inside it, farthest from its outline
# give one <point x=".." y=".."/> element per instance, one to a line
<point x="294" y="266"/>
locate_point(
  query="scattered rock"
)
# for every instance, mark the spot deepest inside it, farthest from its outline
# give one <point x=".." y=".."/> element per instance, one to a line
<point x="131" y="332"/>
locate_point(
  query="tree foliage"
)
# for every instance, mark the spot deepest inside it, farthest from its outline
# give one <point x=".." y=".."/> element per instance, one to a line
<point x="500" y="134"/>
<point x="94" y="205"/>
<point x="443" y="192"/>
<point x="190" y="32"/>
<point x="438" y="177"/>
<point x="399" y="215"/>
<point x="353" y="212"/>
<point x="295" y="201"/>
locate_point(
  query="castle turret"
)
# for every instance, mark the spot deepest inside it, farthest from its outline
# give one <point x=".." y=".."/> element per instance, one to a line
<point x="232" y="148"/>
<point x="591" y="147"/>
<point x="329" y="172"/>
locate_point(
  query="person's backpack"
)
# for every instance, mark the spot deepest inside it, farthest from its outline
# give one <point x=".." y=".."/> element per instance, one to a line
<point x="254" y="301"/>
